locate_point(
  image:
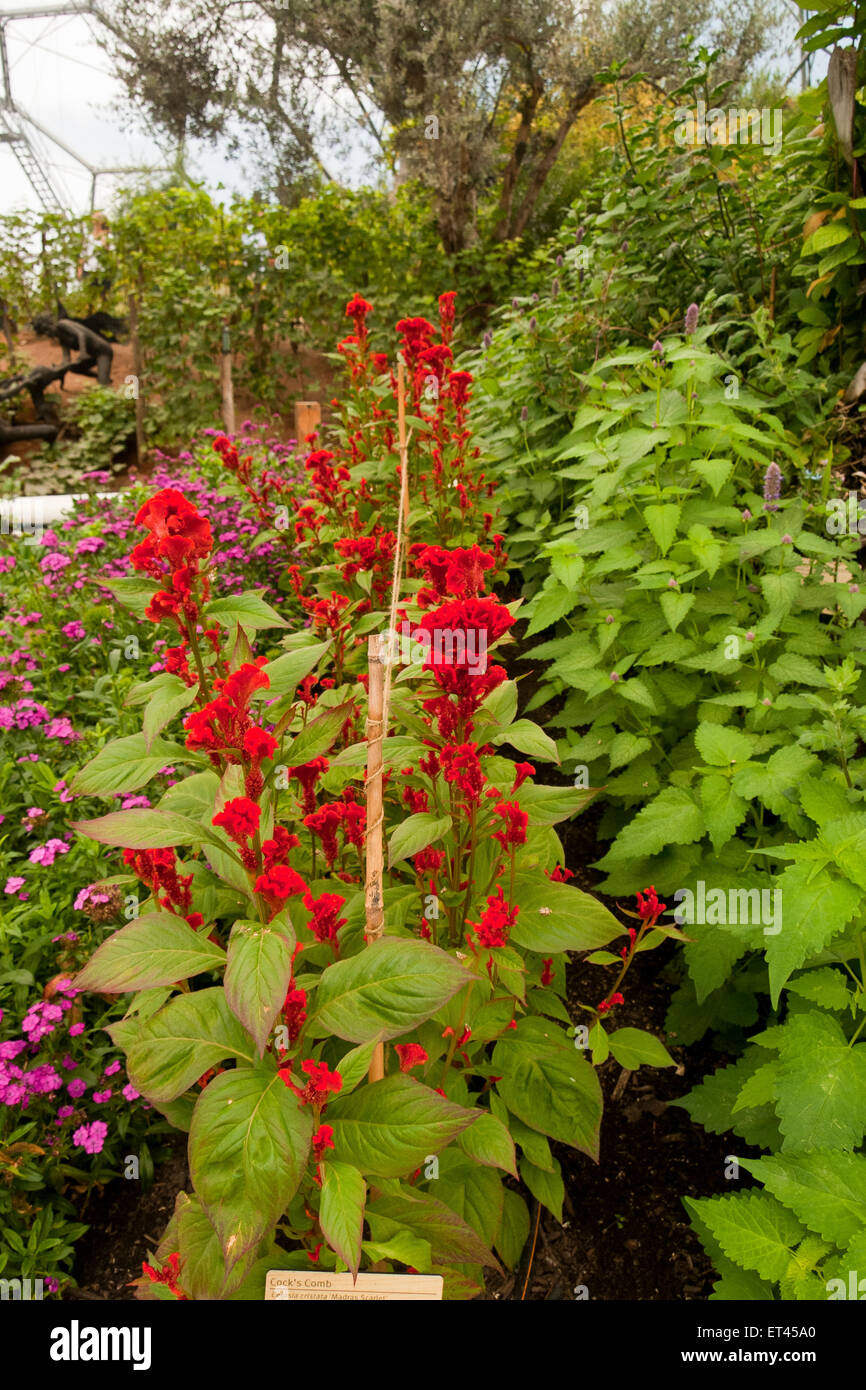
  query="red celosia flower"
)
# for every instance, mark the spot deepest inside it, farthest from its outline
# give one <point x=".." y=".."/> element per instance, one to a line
<point x="177" y="530"/>
<point x="648" y="904"/>
<point x="279" y="884"/>
<point x="259" y="744"/>
<point x="276" y="851"/>
<point x="460" y="765"/>
<point x="497" y="919"/>
<point x="239" y="818"/>
<point x="308" y="774"/>
<point x="240" y="685"/>
<point x="168" y="1275"/>
<point x="521" y="772"/>
<point x="411" y="1055"/>
<point x="561" y="875"/>
<point x="547" y="970"/>
<point x="321" y="1084"/>
<point x="157" y="869"/>
<point x="322" y="1139"/>
<point x="325" y="921"/>
<point x="609" y="1003"/>
<point x="446" y="314"/>
<point x="516" y="821"/>
<point x="295" y="1012"/>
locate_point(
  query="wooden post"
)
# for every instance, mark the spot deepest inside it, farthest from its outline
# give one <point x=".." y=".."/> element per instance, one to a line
<point x="226" y="384"/>
<point x="137" y="367"/>
<point x="308" y="417"/>
<point x="404" y="446"/>
<point x="373" y="852"/>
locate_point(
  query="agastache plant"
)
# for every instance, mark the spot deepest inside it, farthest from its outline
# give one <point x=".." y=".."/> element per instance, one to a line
<point x="257" y="1003"/>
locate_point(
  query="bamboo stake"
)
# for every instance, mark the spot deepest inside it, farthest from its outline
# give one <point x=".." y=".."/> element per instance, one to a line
<point x="138" y="369"/>
<point x="226" y="384"/>
<point x="373" y="853"/>
<point x="404" y="446"/>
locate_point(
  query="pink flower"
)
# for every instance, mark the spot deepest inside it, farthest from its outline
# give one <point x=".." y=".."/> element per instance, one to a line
<point x="75" y="1029"/>
<point x="111" y="1069"/>
<point x="76" y="1088"/>
<point x="47" y="853"/>
<point x="91" y="1137"/>
<point x="130" y="1093"/>
<point x="100" y="1097"/>
<point x="13" y="884"/>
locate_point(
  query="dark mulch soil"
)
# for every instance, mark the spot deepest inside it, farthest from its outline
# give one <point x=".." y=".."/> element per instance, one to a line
<point x="126" y="1226"/>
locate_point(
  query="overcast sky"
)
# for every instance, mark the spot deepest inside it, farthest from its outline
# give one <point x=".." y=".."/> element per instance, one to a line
<point x="61" y="77"/>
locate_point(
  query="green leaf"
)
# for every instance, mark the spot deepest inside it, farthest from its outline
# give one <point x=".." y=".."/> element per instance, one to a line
<point x="286" y="672"/>
<point x="168" y="700"/>
<point x="821" y="1090"/>
<point x="449" y="1235"/>
<point x="140" y="829"/>
<point x="633" y="1047"/>
<point x="156" y="949"/>
<point x="317" y="735"/>
<point x="815" y="908"/>
<point x="723" y="809"/>
<point x="354" y="1065"/>
<point x="388" y="1129"/>
<point x="488" y="1142"/>
<point x="826" y="1189"/>
<point x="248" y="1149"/>
<point x="675" y="607"/>
<point x="752" y="1228"/>
<point x="247" y="609"/>
<point x="258" y="972"/>
<point x="723" y="747"/>
<point x="341" y="1213"/>
<point x="125" y="764"/>
<point x="134" y="594"/>
<point x="546" y="1186"/>
<point x="416" y="833"/>
<point x="550" y="805"/>
<point x="475" y="1193"/>
<point x="203" y="1273"/>
<point x="546" y="1083"/>
<point x="182" y="1041"/>
<point x="556" y="917"/>
<point x="672" y="818"/>
<point x="387" y="989"/>
<point x="513" y="1229"/>
<point x="528" y="738"/>
<point x="825" y="987"/>
<point x="780" y="591"/>
<point x="663" y="520"/>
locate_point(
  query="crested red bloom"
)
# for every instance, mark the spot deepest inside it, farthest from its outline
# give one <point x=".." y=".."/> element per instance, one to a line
<point x="240" y="685"/>
<point x="322" y="1139"/>
<point x="295" y="1012"/>
<point x="560" y="875"/>
<point x="325" y="920"/>
<point x="279" y="884"/>
<point x="547" y="970"/>
<point x="515" y="821"/>
<point x="324" y="823"/>
<point x="649" y="905"/>
<point x="168" y="1275"/>
<point x="308" y="775"/>
<point x="411" y="1055"/>
<point x="446" y="314"/>
<point x="496" y="921"/>
<point x="276" y="851"/>
<point x="521" y="772"/>
<point x="416" y="799"/>
<point x="158" y="870"/>
<point x="460" y="765"/>
<point x="259" y="744"/>
<point x="609" y="1003"/>
<point x="178" y="531"/>
<point x="239" y="818"/>
<point x="322" y="1082"/>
